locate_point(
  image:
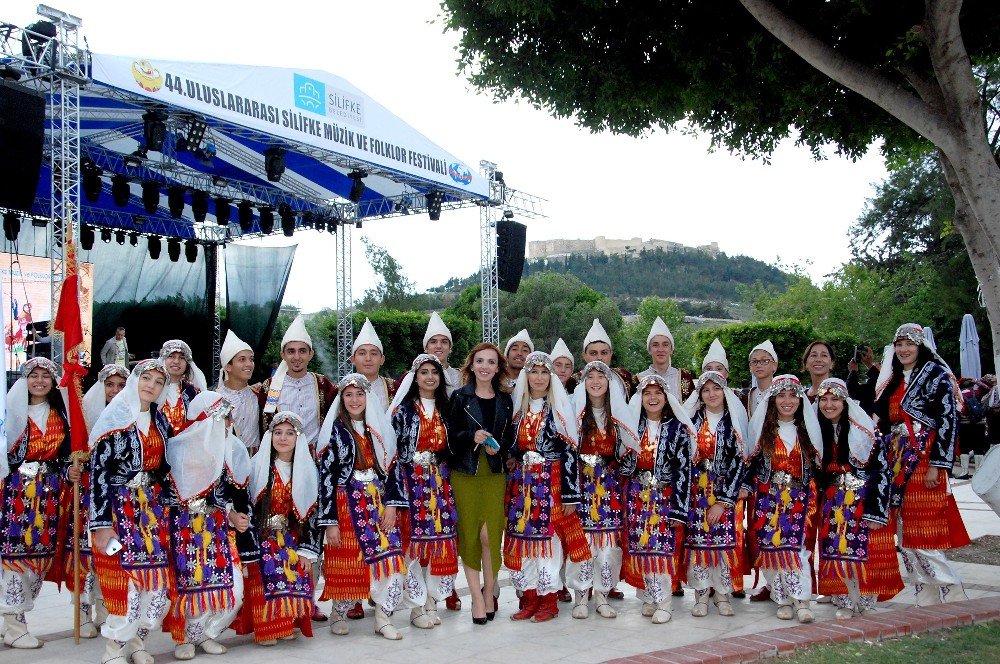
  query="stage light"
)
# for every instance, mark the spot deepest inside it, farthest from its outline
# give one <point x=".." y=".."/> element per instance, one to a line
<point x="191" y="251"/>
<point x="154" y="247"/>
<point x="434" y="200"/>
<point x="39" y="222"/>
<point x="106" y="235"/>
<point x="274" y="163"/>
<point x="308" y="220"/>
<point x="175" y="201"/>
<point x="136" y="158"/>
<point x="133" y="239"/>
<point x="11" y="225"/>
<point x="120" y="191"/>
<point x="266" y="220"/>
<point x="319" y="224"/>
<point x="150" y="196"/>
<point x="90" y="174"/>
<point x="287" y="219"/>
<point x="245" y="213"/>
<point x="120" y="237"/>
<point x="87" y="237"/>
<point x="196" y="132"/>
<point x="222" y="210"/>
<point x="357" y="186"/>
<point x="199" y="205"/>
<point x="154" y="130"/>
<point x="331" y="225"/>
<point x="357" y="224"/>
<point x="174" y="249"/>
<point x="219" y="181"/>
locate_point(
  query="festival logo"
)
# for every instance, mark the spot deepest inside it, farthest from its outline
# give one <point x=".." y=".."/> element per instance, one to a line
<point x="310" y="94"/>
<point x="460" y="173"/>
<point x="147" y="76"/>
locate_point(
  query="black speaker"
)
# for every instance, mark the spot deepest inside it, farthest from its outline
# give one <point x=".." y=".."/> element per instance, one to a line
<point x="22" y="133"/>
<point x="511" y="240"/>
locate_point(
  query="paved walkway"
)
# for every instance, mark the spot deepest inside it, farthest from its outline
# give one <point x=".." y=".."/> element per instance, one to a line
<point x="458" y="640"/>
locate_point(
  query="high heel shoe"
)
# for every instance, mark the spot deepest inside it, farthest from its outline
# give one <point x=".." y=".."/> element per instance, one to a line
<point x="490" y="615"/>
<point x="479" y="621"/>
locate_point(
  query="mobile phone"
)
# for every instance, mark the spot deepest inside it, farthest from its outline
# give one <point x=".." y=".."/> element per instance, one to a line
<point x="114" y="546"/>
<point x="491" y="442"/>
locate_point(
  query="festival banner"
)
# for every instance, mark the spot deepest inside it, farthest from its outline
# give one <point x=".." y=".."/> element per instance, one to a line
<point x="304" y="105"/>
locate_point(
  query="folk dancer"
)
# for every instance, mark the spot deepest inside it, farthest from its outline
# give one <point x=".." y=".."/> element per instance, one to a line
<point x="368" y="356"/>
<point x="184" y="381"/>
<point x="237" y="361"/>
<point x="515" y="351"/>
<point x="918" y="403"/>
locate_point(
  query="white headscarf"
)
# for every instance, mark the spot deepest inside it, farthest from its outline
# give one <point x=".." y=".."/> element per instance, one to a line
<point x="635" y="404"/>
<point x="616" y="407"/>
<point x="305" y="476"/>
<point x="914" y="333"/>
<point x="407" y="382"/>
<point x="231" y="347"/>
<point x="378" y="423"/>
<point x="95" y="400"/>
<point x="198" y="454"/>
<point x="17" y="400"/>
<point x="193" y="373"/>
<point x="861" y="437"/>
<point x="295" y="332"/>
<point x="780" y="384"/>
<point x="562" y="411"/>
<point x="123" y="411"/>
<point x="737" y="412"/>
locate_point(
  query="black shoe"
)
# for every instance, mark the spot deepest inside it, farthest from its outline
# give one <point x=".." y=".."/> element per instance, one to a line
<point x="739" y="594"/>
<point x="480" y="621"/>
<point x="678" y="593"/>
<point x="490" y="615"/>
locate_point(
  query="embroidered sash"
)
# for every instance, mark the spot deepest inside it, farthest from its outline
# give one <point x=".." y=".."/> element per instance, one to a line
<point x="203" y="562"/>
<point x="651" y="538"/>
<point x="843" y="535"/>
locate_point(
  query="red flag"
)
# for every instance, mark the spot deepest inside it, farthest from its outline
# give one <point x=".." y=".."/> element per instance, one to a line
<point x="68" y="322"/>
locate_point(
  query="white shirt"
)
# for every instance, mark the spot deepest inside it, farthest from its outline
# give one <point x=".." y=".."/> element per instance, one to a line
<point x="653" y="431"/>
<point x="428" y="405"/>
<point x="757" y="395"/>
<point x="143" y="422"/>
<point x="301" y="396"/>
<point x="359" y="426"/>
<point x="713" y="419"/>
<point x="600" y="417"/>
<point x="39" y="414"/>
<point x="284" y="470"/>
<point x="380" y="392"/>
<point x="788" y="433"/>
<point x="672" y="375"/>
<point x="121" y="352"/>
<point x="246" y="414"/>
<point x="452" y="379"/>
<point x="906" y="376"/>
<point x="536" y="405"/>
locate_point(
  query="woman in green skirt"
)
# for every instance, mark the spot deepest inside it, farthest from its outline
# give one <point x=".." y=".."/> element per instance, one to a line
<point x="480" y="436"/>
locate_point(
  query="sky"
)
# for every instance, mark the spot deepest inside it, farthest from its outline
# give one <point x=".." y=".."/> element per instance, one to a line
<point x="793" y="211"/>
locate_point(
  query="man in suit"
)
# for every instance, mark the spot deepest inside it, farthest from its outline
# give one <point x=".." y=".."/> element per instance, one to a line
<point x="115" y="350"/>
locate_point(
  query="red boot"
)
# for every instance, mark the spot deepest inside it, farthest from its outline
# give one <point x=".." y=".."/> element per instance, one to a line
<point x="356" y="612"/>
<point x="529" y="601"/>
<point x="548" y="608"/>
<point x="564" y="595"/>
<point x="453" y="602"/>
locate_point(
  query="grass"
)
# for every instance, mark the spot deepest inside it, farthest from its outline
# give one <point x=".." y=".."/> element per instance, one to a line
<point x="977" y="644"/>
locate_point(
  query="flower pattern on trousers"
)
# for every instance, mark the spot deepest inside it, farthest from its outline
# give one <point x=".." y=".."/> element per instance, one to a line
<point x="392" y="596"/>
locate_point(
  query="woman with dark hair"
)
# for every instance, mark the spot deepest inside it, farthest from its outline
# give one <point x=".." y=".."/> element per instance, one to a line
<point x="917" y="401"/>
<point x="129" y="526"/>
<point x="37" y="452"/>
<point x="184" y="381"/>
<point x="360" y="493"/>
<point x="783" y="459"/>
<point x="543" y="492"/>
<point x="284" y="482"/>
<point x="713" y="530"/>
<point x="655" y="494"/>
<point x="480" y="437"/>
<point x="607" y="431"/>
<point x="818" y="361"/>
<point x="429" y="526"/>
<point x="857" y="552"/>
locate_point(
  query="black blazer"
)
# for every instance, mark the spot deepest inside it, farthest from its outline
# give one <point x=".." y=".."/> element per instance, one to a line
<point x="462" y="427"/>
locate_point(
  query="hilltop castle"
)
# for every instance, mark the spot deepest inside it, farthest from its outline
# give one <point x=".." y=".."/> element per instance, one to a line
<point x="539" y="249"/>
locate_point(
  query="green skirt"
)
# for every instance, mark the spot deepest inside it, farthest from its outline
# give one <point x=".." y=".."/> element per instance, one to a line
<point x="479" y="500"/>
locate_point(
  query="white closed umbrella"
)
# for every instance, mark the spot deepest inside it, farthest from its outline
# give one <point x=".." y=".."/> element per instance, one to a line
<point x="929" y="335"/>
<point x="968" y="349"/>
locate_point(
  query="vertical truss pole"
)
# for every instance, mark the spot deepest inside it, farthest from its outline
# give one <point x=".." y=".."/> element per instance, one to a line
<point x="345" y="327"/>
<point x="211" y="303"/>
<point x="488" y="283"/>
<point x="64" y="153"/>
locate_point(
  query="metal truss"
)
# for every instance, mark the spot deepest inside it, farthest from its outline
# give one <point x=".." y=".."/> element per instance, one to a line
<point x="125" y="221"/>
<point x="345" y="326"/>
<point x="488" y="276"/>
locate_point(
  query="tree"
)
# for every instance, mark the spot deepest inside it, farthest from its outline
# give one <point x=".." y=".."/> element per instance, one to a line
<point x="393" y="287"/>
<point x="865" y="70"/>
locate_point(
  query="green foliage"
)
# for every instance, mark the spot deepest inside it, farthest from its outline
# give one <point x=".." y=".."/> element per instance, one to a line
<point x="790" y="338"/>
<point x="552" y="305"/>
<point x="687" y="273"/>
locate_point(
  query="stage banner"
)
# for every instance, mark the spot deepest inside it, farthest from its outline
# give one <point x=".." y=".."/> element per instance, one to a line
<point x="304" y="105"/>
<point x="255" y="285"/>
<point x="27" y="301"/>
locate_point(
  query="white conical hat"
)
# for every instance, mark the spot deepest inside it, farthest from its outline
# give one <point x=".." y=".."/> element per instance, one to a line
<point x="716" y="353"/>
<point x="659" y="329"/>
<point x="232" y="346"/>
<point x="597" y="333"/>
<point x="297" y="332"/>
<point x="520" y="336"/>
<point x="561" y="350"/>
<point x="436" y="326"/>
<point x="767" y="347"/>
<point x="367" y="336"/>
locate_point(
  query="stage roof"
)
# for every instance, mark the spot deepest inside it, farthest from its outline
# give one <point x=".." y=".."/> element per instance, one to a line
<point x="328" y="128"/>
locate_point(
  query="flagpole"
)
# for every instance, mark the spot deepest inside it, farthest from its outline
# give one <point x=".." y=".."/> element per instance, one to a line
<point x="76" y="553"/>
